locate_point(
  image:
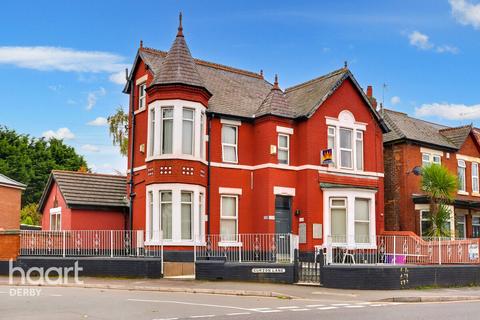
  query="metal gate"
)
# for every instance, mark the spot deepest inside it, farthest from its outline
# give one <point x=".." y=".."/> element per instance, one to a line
<point x="309" y="266"/>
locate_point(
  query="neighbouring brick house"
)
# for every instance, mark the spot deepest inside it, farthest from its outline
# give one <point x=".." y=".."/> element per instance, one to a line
<point x="219" y="150"/>
<point x="10" y="205"/>
<point x="412" y="143"/>
<point x="84" y="201"/>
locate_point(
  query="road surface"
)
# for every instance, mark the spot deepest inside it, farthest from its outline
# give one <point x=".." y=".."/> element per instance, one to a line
<point x="79" y="303"/>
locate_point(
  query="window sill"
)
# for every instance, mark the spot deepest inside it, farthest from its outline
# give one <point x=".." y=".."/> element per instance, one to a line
<point x="139" y="110"/>
<point x="475" y="194"/>
<point x="463" y="193"/>
<point x="230" y="162"/>
<point x="174" y="157"/>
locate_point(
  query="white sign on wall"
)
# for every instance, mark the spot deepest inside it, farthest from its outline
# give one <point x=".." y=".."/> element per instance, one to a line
<point x="473" y="251"/>
<point x="268" y="270"/>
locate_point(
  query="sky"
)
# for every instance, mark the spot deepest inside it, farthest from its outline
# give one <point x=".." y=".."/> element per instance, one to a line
<point x="62" y="62"/>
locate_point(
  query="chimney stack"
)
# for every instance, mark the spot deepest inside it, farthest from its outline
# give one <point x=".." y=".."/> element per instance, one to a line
<point x="370" y="92"/>
<point x="371" y="98"/>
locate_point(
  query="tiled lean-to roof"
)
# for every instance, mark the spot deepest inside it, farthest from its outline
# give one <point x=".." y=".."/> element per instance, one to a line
<point x="404" y="127"/>
<point x="84" y="190"/>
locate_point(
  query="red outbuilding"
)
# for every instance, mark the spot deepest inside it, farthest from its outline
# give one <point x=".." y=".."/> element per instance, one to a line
<point x="84" y="201"/>
<point x="219" y="150"/>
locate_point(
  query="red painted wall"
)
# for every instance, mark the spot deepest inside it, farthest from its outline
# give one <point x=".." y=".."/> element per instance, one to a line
<point x="76" y="219"/>
<point x="254" y="140"/>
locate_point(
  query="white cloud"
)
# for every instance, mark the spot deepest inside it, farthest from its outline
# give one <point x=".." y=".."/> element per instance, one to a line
<point x="98" y="122"/>
<point x="449" y="111"/>
<point x="90" y="148"/>
<point x="420" y="40"/>
<point x="62" y="133"/>
<point x="62" y="59"/>
<point x="55" y="87"/>
<point x="118" y="78"/>
<point x="93" y="96"/>
<point x="466" y="13"/>
<point x="395" y="100"/>
<point x="447" y="49"/>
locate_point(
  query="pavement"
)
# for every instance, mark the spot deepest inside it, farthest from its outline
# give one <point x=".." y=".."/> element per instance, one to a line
<point x="283" y="291"/>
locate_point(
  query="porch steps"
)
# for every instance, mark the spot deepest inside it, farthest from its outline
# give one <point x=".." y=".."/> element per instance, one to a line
<point x="178" y="269"/>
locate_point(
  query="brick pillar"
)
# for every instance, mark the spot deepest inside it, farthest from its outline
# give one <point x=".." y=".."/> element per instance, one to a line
<point x="9" y="244"/>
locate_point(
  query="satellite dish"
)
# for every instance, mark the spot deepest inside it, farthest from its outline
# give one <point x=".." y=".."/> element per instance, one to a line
<point x="417" y="171"/>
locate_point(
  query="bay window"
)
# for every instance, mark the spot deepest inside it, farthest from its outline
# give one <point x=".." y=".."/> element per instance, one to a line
<point x="151" y="148"/>
<point x="362" y="220"/>
<point x="461" y="176"/>
<point x="229" y="143"/>
<point x="174" y="213"/>
<point x="350" y="218"/>
<point x="283" y="153"/>
<point x="346" y="150"/>
<point x="176" y="129"/>
<point x="167" y="130"/>
<point x="166" y="214"/>
<point x="188" y="131"/>
<point x="229" y="217"/>
<point x="474" y="177"/>
<point x="338" y="211"/>
<point x="187" y="211"/>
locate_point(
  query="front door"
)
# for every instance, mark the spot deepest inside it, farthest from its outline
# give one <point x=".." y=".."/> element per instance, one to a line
<point x="283" y="214"/>
<point x="283" y="226"/>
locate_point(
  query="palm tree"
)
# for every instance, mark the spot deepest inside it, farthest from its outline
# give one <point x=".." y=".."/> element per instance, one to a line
<point x="441" y="187"/>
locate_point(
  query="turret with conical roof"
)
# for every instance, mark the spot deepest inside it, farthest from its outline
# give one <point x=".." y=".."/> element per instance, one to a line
<point x="275" y="103"/>
<point x="179" y="67"/>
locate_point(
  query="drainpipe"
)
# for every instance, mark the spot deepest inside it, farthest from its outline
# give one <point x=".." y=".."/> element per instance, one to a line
<point x="209" y="129"/>
<point x="132" y="152"/>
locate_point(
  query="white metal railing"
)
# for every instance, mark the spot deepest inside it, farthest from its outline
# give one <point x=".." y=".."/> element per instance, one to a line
<point x="249" y="247"/>
<point x="87" y="243"/>
<point x="393" y="249"/>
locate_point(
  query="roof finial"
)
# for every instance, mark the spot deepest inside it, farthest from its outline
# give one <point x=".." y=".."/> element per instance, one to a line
<point x="345" y="64"/>
<point x="180" y="28"/>
<point x="141" y="43"/>
<point x="275" y="84"/>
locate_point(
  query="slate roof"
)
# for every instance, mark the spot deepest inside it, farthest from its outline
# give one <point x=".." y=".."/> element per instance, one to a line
<point x="275" y="103"/>
<point x="178" y="66"/>
<point x="6" y="181"/>
<point x="402" y="126"/>
<point x="88" y="189"/>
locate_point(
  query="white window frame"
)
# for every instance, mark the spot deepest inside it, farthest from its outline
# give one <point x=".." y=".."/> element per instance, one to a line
<point x="439" y="158"/>
<point x="359" y="138"/>
<point x="142" y="96"/>
<point x="198" y="222"/>
<point x="475" y="224"/>
<point x="230" y="145"/>
<point x="152" y="134"/>
<point x="350" y="194"/>
<point x="351" y="150"/>
<point x="464" y="223"/>
<point x="475" y="180"/>
<point x="54" y="212"/>
<point x="236" y="218"/>
<point x="429" y="158"/>
<point x="462" y="164"/>
<point x="193" y="129"/>
<point x="423" y="218"/>
<point x="162" y="120"/>
<point x="191" y="203"/>
<point x="345" y="120"/>
<point x="425" y="159"/>
<point x="155" y="136"/>
<point x="286" y="149"/>
<point x="150" y="212"/>
<point x="344" y="206"/>
<point x="363" y="221"/>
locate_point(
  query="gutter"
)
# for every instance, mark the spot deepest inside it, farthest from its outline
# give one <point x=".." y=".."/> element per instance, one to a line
<point x="209" y="166"/>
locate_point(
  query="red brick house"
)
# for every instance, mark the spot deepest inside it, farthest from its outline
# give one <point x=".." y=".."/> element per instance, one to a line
<point x="84" y="201"/>
<point x="412" y="143"/>
<point x="219" y="150"/>
<point x="10" y="204"/>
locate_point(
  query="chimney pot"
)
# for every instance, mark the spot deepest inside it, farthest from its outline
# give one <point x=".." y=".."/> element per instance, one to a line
<point x="370" y="91"/>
